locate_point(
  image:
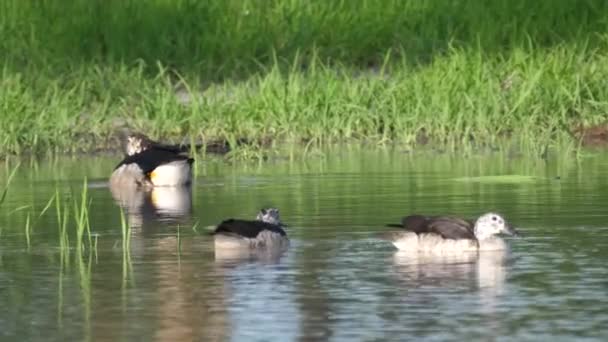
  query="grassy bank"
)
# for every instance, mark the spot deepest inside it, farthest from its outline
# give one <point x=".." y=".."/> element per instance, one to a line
<point x="452" y="73"/>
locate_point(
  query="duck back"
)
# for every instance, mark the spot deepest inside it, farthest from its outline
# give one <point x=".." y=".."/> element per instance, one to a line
<point x="247" y="228"/>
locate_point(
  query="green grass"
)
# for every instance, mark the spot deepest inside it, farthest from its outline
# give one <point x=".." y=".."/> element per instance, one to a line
<point x="8" y="183"/>
<point x="458" y="74"/>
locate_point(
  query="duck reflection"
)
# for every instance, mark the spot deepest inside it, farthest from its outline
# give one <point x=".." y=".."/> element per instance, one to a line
<point x="176" y="296"/>
<point x="484" y="270"/>
<point x="235" y="257"/>
<point x="188" y="311"/>
<point x="259" y="288"/>
<point x="149" y="206"/>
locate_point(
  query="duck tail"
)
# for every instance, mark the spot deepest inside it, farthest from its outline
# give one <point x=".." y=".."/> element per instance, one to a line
<point x="210" y="230"/>
<point x="394" y="225"/>
<point x="388" y="236"/>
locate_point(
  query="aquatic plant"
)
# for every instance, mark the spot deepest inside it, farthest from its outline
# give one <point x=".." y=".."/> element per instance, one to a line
<point x="127" y="268"/>
<point x="62" y="214"/>
<point x="125" y="228"/>
<point x="7" y="184"/>
<point x="81" y="214"/>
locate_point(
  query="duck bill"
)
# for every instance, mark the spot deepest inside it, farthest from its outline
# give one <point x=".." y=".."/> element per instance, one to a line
<point x="510" y="230"/>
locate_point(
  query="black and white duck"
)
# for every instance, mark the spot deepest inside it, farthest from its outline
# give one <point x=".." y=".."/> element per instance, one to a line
<point x="450" y="234"/>
<point x="267" y="231"/>
<point x="150" y="164"/>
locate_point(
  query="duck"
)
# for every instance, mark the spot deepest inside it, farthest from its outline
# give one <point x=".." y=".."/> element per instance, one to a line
<point x="451" y="234"/>
<point x="265" y="232"/>
<point x="149" y="164"/>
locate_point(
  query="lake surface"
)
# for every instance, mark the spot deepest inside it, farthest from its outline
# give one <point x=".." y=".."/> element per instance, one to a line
<point x="337" y="281"/>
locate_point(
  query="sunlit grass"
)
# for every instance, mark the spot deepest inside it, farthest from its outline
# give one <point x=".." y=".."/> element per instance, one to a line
<point x="457" y="74"/>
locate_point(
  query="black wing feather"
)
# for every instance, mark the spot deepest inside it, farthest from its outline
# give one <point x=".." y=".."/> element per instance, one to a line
<point x="150" y="159"/>
<point x="217" y="147"/>
<point x="246" y="228"/>
<point x="447" y="227"/>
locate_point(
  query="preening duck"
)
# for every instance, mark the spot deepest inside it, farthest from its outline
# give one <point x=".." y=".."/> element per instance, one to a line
<point x="264" y="232"/>
<point x="446" y="233"/>
<point x="150" y="164"/>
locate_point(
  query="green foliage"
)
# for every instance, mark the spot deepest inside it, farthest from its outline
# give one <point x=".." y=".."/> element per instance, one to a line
<point x="454" y="73"/>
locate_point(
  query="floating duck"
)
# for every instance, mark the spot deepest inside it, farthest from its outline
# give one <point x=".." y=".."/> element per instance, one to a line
<point x="264" y="232"/>
<point x="446" y="233"/>
<point x="150" y="164"/>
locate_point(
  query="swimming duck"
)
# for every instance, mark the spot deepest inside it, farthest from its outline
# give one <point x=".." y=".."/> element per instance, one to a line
<point x="446" y="233"/>
<point x="149" y="164"/>
<point x="264" y="232"/>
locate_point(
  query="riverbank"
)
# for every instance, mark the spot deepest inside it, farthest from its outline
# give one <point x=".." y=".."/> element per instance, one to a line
<point x="447" y="74"/>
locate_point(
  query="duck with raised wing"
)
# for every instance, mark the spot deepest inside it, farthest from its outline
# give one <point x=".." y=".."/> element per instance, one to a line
<point x="149" y="164"/>
<point x="447" y="233"/>
<point x="264" y="232"/>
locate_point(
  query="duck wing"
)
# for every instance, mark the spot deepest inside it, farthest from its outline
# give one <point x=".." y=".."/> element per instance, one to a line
<point x="246" y="228"/>
<point x="414" y="223"/>
<point x="171" y="148"/>
<point x="150" y="159"/>
<point x="217" y="147"/>
<point x="450" y="228"/>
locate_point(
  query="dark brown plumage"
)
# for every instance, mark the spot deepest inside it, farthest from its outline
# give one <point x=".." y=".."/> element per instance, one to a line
<point x="447" y="227"/>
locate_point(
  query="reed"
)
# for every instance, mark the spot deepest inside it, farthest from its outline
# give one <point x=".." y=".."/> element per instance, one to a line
<point x="81" y="215"/>
<point x="9" y="179"/>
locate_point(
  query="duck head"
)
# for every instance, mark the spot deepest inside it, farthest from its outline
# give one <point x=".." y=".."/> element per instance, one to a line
<point x="137" y="143"/>
<point x="490" y="224"/>
<point x="269" y="215"/>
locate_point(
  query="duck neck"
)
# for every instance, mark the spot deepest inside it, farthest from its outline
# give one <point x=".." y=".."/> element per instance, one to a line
<point x="480" y="233"/>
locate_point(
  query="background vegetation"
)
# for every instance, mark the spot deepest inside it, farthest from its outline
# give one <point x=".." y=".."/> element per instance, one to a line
<point x="449" y="72"/>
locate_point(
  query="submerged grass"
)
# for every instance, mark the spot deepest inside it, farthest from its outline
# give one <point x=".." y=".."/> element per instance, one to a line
<point x="459" y="74"/>
<point x="8" y="183"/>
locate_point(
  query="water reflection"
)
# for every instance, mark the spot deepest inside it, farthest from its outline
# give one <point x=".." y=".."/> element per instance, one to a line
<point x="160" y="204"/>
<point x="484" y="271"/>
<point x="192" y="298"/>
<point x="236" y="256"/>
<point x="260" y="297"/>
<point x="333" y="283"/>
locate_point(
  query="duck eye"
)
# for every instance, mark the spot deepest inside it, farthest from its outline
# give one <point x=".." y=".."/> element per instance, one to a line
<point x="494" y="218"/>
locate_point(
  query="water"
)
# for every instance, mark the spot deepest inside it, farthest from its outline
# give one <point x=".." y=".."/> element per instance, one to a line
<point x="337" y="281"/>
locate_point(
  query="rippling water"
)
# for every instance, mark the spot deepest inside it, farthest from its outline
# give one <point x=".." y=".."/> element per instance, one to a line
<point x="337" y="281"/>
